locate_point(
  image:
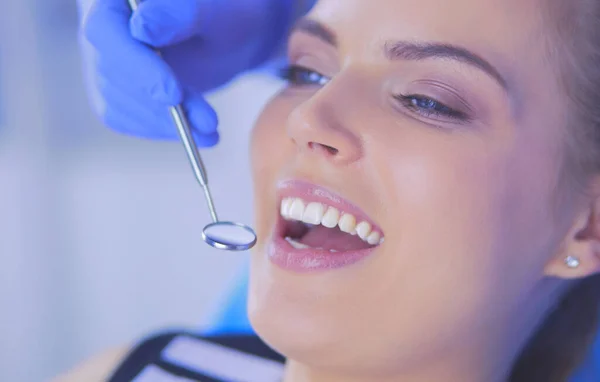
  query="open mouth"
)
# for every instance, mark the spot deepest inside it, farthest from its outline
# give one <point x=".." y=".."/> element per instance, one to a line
<point x="319" y="230"/>
<point x="318" y="226"/>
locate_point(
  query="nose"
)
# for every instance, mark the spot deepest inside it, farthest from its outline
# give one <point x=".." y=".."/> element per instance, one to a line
<point x="321" y="126"/>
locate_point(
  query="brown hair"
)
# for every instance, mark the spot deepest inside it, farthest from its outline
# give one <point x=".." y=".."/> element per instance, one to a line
<point x="563" y="340"/>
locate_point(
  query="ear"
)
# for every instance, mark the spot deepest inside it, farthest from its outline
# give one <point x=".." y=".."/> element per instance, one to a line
<point x="582" y="243"/>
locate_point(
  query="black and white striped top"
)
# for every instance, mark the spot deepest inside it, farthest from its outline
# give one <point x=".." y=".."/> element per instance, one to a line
<point x="187" y="357"/>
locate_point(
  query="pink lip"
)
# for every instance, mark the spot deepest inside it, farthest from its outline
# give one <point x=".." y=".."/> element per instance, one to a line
<point x="282" y="254"/>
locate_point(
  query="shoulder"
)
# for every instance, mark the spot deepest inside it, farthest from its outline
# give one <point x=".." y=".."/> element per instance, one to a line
<point x="183" y="354"/>
<point x="98" y="368"/>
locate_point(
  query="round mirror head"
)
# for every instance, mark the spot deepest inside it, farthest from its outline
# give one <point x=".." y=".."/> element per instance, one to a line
<point x="229" y="236"/>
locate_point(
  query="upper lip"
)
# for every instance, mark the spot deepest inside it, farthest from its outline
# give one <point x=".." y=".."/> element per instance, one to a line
<point x="310" y="192"/>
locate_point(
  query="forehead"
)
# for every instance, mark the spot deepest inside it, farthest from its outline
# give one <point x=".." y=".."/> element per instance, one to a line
<point x="510" y="34"/>
<point x="503" y="27"/>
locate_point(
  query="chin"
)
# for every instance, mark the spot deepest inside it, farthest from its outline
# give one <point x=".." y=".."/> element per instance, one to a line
<point x="295" y="331"/>
<point x="285" y="314"/>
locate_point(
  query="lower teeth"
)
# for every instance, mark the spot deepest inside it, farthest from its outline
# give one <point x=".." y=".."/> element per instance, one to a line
<point x="299" y="245"/>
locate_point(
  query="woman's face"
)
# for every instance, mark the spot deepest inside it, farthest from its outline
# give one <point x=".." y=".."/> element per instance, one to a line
<point x="438" y="123"/>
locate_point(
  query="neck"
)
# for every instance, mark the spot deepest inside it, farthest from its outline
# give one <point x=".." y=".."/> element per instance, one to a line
<point x="487" y="356"/>
<point x="298" y="372"/>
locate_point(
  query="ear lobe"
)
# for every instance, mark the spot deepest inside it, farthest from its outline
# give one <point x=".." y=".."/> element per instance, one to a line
<point x="579" y="256"/>
<point x="583" y="261"/>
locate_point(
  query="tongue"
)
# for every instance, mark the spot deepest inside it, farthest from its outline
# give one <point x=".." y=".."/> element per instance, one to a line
<point x="332" y="238"/>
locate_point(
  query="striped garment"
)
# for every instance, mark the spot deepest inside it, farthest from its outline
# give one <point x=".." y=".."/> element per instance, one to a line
<point x="187" y="357"/>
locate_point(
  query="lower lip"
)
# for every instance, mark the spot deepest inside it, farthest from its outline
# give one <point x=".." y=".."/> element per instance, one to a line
<point x="282" y="254"/>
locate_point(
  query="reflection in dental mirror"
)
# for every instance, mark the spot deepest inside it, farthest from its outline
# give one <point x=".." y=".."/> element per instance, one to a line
<point x="229" y="236"/>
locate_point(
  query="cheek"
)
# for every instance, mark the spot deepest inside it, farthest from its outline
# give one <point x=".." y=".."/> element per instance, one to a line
<point x="464" y="217"/>
<point x="270" y="149"/>
<point x="450" y="228"/>
<point x="442" y="190"/>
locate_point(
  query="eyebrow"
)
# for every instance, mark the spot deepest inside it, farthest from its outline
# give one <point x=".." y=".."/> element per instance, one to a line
<point x="409" y="51"/>
<point x="315" y="29"/>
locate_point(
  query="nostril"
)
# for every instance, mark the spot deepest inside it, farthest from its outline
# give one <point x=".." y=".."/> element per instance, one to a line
<point x="331" y="150"/>
<point x="321" y="147"/>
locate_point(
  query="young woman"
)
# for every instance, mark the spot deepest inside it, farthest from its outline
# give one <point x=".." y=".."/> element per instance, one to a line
<point x="427" y="195"/>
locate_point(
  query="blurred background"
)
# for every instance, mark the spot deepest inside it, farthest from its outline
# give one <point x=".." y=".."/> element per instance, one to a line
<point x="99" y="232"/>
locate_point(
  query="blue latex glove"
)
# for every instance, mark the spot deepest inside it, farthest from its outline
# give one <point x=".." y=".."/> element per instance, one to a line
<point x="205" y="43"/>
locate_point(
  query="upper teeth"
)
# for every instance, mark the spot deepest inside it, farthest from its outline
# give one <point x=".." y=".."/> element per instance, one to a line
<point x="317" y="213"/>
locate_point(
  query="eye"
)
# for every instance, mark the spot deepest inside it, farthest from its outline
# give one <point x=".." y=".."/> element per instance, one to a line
<point x="301" y="76"/>
<point x="429" y="107"/>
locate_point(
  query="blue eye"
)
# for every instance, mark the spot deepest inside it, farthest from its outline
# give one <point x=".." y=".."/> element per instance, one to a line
<point x="429" y="107"/>
<point x="301" y="76"/>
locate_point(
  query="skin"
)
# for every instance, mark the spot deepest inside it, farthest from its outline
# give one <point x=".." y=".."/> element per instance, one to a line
<point x="477" y="222"/>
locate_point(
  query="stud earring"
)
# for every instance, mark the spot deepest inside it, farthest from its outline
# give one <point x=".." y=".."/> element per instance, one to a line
<point x="572" y="262"/>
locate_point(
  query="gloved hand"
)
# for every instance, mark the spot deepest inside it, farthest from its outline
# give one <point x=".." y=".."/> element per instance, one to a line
<point x="205" y="43"/>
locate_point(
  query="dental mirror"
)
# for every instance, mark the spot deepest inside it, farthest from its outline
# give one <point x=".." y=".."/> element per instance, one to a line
<point x="237" y="237"/>
<point x="218" y="234"/>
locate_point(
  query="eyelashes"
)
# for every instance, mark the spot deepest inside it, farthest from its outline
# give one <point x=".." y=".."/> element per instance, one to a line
<point x="429" y="107"/>
<point x="300" y="76"/>
<point x="422" y="105"/>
